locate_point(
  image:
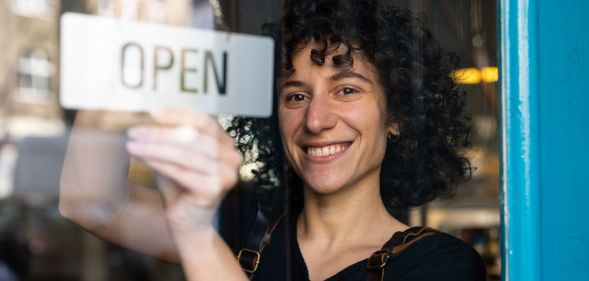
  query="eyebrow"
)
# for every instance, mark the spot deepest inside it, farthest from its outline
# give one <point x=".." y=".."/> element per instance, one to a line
<point x="349" y="74"/>
<point x="335" y="77"/>
<point x="293" y="83"/>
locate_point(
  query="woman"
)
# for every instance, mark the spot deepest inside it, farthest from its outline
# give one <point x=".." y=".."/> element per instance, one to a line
<point x="367" y="116"/>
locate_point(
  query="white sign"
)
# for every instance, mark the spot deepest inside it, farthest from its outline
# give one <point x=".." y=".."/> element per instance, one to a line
<point x="112" y="64"/>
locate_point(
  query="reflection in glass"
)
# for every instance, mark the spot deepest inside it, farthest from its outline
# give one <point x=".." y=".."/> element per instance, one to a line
<point x="37" y="243"/>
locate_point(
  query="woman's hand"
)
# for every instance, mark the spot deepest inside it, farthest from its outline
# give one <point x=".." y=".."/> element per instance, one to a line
<point x="196" y="162"/>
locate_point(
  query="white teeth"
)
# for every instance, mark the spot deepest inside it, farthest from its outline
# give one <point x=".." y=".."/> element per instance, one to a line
<point x="325" y="151"/>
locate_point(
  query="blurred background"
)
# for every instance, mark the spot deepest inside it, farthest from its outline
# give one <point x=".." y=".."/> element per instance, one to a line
<point x="36" y="243"/>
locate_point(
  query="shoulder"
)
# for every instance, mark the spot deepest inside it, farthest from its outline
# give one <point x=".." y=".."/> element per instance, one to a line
<point x="438" y="256"/>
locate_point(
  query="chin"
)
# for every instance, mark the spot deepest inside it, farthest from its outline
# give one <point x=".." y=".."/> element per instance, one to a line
<point x="324" y="186"/>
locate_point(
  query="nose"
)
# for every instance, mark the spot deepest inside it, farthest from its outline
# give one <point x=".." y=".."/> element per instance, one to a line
<point x="319" y="115"/>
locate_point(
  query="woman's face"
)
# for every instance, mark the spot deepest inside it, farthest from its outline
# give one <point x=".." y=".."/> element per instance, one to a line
<point x="333" y="122"/>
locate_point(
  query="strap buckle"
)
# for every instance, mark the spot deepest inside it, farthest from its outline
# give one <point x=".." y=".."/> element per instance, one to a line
<point x="249" y="260"/>
<point x="378" y="259"/>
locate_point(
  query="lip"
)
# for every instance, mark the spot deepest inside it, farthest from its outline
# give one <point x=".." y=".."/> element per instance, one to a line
<point x="325" y="159"/>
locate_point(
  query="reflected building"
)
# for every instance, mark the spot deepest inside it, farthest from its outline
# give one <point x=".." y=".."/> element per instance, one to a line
<point x="29" y="53"/>
<point x="29" y="61"/>
<point x="29" y="57"/>
<point x="33" y="126"/>
<point x="33" y="137"/>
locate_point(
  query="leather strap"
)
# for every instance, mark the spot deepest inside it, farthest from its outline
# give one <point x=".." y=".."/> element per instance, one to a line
<point x="260" y="234"/>
<point x="266" y="222"/>
<point x="379" y="259"/>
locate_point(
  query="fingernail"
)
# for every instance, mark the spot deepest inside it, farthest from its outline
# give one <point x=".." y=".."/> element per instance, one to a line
<point x="184" y="134"/>
<point x="157" y="112"/>
<point x="134" y="147"/>
<point x="131" y="147"/>
<point x="133" y="133"/>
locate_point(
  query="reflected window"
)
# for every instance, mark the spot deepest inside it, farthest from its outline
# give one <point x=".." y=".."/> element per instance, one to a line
<point x="159" y="11"/>
<point x="34" y="75"/>
<point x="105" y="8"/>
<point x="119" y="8"/>
<point x="33" y="8"/>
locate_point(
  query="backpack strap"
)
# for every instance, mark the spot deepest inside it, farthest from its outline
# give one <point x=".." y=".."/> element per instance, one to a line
<point x="378" y="260"/>
<point x="261" y="231"/>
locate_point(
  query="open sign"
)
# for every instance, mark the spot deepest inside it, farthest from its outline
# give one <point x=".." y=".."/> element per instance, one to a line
<point x="112" y="64"/>
<point x="136" y="54"/>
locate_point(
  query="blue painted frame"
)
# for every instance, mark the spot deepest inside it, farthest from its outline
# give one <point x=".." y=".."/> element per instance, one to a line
<point x="519" y="110"/>
<point x="544" y="53"/>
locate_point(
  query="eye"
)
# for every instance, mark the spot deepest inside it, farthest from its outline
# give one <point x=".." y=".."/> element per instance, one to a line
<point x="348" y="91"/>
<point x="296" y="99"/>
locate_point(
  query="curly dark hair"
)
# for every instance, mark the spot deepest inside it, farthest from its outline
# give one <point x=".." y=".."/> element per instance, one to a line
<point x="424" y="160"/>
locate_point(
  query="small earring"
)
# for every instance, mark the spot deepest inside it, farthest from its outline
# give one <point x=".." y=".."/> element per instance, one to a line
<point x="390" y="136"/>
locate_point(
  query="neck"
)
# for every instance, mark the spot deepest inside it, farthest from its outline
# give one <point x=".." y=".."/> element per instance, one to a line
<point x="350" y="214"/>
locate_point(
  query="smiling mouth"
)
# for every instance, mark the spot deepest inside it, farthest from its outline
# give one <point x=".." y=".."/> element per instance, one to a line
<point x="328" y="150"/>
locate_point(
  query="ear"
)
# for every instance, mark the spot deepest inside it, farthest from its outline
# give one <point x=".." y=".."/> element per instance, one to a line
<point x="394" y="129"/>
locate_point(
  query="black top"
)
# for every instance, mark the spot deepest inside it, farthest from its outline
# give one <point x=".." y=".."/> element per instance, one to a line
<point x="439" y="256"/>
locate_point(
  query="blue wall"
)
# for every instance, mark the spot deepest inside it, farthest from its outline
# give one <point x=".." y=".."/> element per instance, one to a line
<point x="545" y="107"/>
<point x="563" y="87"/>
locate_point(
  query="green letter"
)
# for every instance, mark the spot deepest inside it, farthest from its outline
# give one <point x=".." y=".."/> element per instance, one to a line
<point x="184" y="69"/>
<point x="221" y="84"/>
<point x="123" y="54"/>
<point x="157" y="67"/>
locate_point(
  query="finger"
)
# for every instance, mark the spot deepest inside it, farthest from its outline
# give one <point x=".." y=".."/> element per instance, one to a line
<point x="197" y="162"/>
<point x="181" y="116"/>
<point x="184" y="138"/>
<point x="178" y="134"/>
<point x="169" y="189"/>
<point x="207" y="189"/>
<point x="185" y="157"/>
<point x="224" y="179"/>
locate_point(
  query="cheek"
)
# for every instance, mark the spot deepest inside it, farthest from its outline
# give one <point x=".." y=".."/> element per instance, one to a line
<point x="371" y="122"/>
<point x="288" y="122"/>
<point x="369" y="117"/>
<point x="288" y="125"/>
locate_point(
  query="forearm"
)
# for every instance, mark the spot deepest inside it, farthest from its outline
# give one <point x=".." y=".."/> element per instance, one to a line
<point x="141" y="226"/>
<point x="96" y="194"/>
<point x="93" y="183"/>
<point x="136" y="221"/>
<point x="205" y="256"/>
